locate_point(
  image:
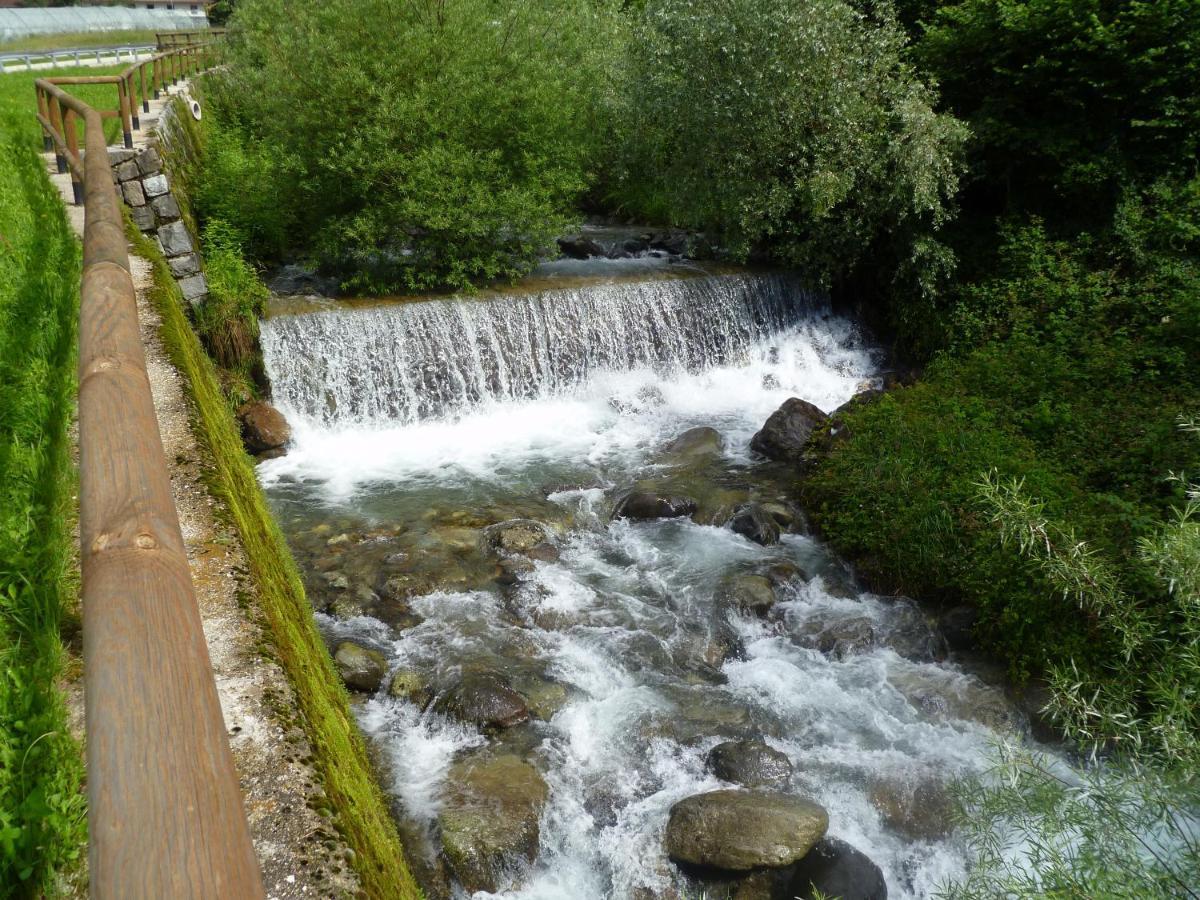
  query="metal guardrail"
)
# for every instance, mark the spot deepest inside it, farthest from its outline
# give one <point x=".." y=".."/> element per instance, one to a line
<point x="10" y="62"/>
<point x="165" y="815"/>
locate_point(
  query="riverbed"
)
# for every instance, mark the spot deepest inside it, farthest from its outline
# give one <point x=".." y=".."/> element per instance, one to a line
<point x="636" y="647"/>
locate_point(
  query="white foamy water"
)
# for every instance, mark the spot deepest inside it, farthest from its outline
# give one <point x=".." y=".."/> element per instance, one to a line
<point x="843" y="682"/>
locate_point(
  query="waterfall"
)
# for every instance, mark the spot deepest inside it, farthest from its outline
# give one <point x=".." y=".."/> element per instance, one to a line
<point x="408" y="362"/>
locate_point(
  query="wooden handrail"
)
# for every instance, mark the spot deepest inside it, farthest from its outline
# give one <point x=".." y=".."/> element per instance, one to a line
<point x="165" y="814"/>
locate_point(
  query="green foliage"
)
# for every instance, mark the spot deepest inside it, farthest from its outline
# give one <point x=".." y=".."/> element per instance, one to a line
<point x="430" y="143"/>
<point x="793" y="127"/>
<point x="227" y="321"/>
<point x="1074" y="363"/>
<point x="340" y="755"/>
<point x="1069" y="100"/>
<point x="42" y="826"/>
<point x="1145" y="700"/>
<point x="1037" y="829"/>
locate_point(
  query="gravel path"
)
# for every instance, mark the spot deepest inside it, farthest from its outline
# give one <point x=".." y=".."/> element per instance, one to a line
<point x="300" y="853"/>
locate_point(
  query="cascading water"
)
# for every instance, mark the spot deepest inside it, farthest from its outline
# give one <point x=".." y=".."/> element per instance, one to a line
<point x="417" y="361"/>
<point x="418" y="425"/>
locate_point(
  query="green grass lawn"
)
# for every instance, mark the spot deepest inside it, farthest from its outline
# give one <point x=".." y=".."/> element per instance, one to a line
<point x="77" y="40"/>
<point x="42" y="807"/>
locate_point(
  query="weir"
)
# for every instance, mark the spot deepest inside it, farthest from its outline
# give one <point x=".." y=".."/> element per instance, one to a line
<point x="405" y="362"/>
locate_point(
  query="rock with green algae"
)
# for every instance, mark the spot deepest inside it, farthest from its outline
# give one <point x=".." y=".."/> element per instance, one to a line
<point x="489" y="819"/>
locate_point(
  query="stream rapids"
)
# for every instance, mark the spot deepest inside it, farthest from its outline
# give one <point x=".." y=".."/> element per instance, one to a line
<point x="417" y="426"/>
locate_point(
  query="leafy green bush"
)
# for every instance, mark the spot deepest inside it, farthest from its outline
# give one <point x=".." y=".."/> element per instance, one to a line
<point x="790" y="126"/>
<point x="426" y="143"/>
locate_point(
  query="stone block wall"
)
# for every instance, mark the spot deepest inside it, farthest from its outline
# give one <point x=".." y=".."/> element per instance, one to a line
<point x="147" y="192"/>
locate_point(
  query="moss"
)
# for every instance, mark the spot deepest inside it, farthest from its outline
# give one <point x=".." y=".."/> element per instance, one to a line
<point x="340" y="753"/>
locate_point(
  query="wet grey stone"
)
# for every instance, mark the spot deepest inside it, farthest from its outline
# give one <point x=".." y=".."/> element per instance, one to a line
<point x="175" y="239"/>
<point x="484" y="699"/>
<point x="646" y="505"/>
<point x="753" y="522"/>
<point x="361" y="668"/>
<point x="750" y="764"/>
<point x="787" y="430"/>
<point x="835" y="869"/>
<point x="743" y="830"/>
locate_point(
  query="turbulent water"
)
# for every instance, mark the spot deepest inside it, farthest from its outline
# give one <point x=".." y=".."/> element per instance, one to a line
<point x="417" y="423"/>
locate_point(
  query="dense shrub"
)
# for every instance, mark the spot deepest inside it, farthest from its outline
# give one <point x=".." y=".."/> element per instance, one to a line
<point x="1075" y="364"/>
<point x="793" y="127"/>
<point x="425" y="143"/>
<point x="1068" y="100"/>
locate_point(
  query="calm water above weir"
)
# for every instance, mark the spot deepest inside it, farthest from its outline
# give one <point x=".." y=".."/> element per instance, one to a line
<point x="636" y="646"/>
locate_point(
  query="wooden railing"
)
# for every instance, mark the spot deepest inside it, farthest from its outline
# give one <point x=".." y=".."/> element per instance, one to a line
<point x="165" y="814"/>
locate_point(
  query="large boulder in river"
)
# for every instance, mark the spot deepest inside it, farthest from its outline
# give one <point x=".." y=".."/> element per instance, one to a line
<point x="787" y="430"/>
<point x="835" y="869"/>
<point x="648" y="505"/>
<point x="489" y="819"/>
<point x="751" y="764"/>
<point x="743" y="830"/>
<point x="484" y="699"/>
<point x="752" y="521"/>
<point x="361" y="668"/>
<point x="263" y="427"/>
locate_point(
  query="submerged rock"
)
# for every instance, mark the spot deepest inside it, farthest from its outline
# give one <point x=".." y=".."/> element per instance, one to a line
<point x="742" y="830"/>
<point x="579" y="247"/>
<point x="263" y="427"/>
<point x="648" y="505"/>
<point x="522" y="537"/>
<point x="410" y="685"/>
<point x="484" y="699"/>
<point x="361" y="668"/>
<point x="835" y="869"/>
<point x="489" y="819"/>
<point x="696" y="444"/>
<point x="294" y="279"/>
<point x="751" y="764"/>
<point x="958" y="626"/>
<point x="919" y="809"/>
<point x="754" y="522"/>
<point x="787" y="430"/>
<point x="752" y="593"/>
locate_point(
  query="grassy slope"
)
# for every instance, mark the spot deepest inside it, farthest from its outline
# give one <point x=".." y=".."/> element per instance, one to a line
<point x="42" y="812"/>
<point x="341" y="759"/>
